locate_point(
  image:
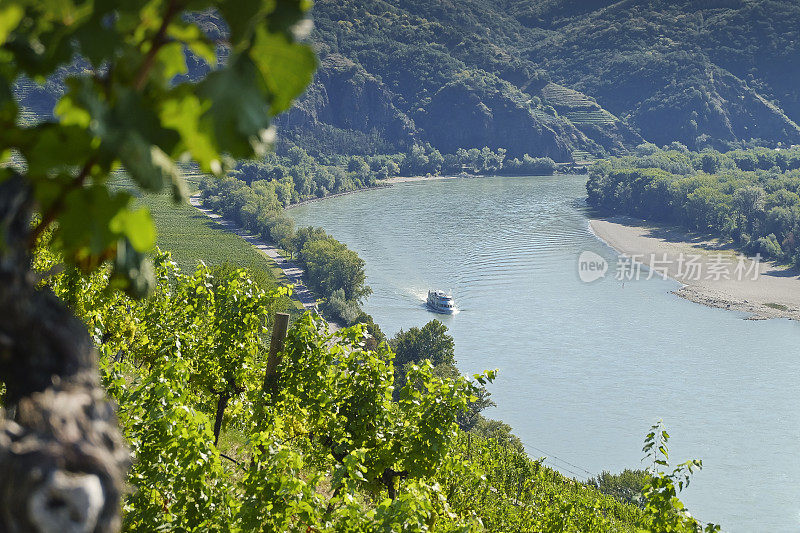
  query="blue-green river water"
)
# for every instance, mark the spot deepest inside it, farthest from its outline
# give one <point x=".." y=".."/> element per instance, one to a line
<point x="585" y="368"/>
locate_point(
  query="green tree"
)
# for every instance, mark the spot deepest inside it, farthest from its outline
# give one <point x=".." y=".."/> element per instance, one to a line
<point x="626" y="486"/>
<point x="416" y="161"/>
<point x="710" y="162"/>
<point x="331" y="266"/>
<point x="432" y="343"/>
<point x="123" y="107"/>
<point x="429" y="342"/>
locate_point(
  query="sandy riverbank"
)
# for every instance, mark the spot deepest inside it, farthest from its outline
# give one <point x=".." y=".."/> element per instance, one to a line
<point x="712" y="274"/>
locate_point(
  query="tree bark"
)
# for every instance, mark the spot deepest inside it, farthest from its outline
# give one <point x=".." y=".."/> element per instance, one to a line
<point x="62" y="458"/>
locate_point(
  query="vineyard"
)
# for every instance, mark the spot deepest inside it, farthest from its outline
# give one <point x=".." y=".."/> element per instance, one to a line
<point x="593" y="116"/>
<point x="582" y="157"/>
<point x="560" y="96"/>
<point x="140" y="396"/>
<point x="191" y="237"/>
<point x="324" y="448"/>
<point x="577" y="107"/>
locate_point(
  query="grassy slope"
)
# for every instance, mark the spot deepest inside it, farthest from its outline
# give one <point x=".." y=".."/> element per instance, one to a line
<point x="192" y="237"/>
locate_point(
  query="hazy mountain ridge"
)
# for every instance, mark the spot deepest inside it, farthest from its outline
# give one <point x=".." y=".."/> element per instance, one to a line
<point x="474" y="72"/>
<point x="696" y="70"/>
<point x="557" y="78"/>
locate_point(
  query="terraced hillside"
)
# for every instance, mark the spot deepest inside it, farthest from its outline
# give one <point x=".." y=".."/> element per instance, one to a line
<point x="712" y="73"/>
<point x="591" y="119"/>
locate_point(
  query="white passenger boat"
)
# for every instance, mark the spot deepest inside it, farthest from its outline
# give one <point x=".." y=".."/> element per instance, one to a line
<point x="441" y="302"/>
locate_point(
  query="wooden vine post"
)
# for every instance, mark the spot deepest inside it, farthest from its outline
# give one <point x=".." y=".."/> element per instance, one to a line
<point x="279" y="330"/>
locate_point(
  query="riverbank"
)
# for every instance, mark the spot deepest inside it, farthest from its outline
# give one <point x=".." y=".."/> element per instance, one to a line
<point x="293" y="272"/>
<point x="383" y="185"/>
<point x="409" y="179"/>
<point x="388" y="182"/>
<point x="711" y="272"/>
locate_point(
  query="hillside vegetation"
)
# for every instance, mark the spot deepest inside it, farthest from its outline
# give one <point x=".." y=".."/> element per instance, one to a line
<point x="331" y="441"/>
<point x="552" y="78"/>
<point x="558" y="79"/>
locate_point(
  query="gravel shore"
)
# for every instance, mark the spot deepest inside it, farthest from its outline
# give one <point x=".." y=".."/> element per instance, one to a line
<point x="712" y="273"/>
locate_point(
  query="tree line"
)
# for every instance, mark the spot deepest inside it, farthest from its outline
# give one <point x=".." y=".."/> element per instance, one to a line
<point x="422" y="159"/>
<point x="294" y="174"/>
<point x="748" y="196"/>
<point x="302" y="174"/>
<point x="334" y="272"/>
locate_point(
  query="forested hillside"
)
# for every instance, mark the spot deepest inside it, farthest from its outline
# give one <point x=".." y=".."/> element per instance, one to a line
<point x="552" y="78"/>
<point x="559" y="79"/>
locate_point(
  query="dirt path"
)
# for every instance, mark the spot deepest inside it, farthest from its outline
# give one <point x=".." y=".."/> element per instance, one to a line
<point x="292" y="271"/>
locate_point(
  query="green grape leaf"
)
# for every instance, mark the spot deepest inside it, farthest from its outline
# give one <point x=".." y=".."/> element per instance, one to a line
<point x="98" y="41"/>
<point x="10" y="16"/>
<point x="132" y="271"/>
<point x="150" y="167"/>
<point x="137" y="226"/>
<point x="136" y="155"/>
<point x="286" y="15"/>
<point x="182" y="113"/>
<point x="54" y="146"/>
<point x="84" y="227"/>
<point x="47" y="191"/>
<point x="133" y="113"/>
<point x="169" y="170"/>
<point x="44" y="44"/>
<point x="239" y="112"/>
<point x="8" y="106"/>
<point x="195" y="40"/>
<point x="71" y="113"/>
<point x="241" y="15"/>
<point x="287" y="67"/>
<point x="172" y="59"/>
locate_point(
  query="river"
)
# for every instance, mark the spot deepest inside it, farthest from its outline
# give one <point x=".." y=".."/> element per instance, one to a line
<point x="585" y="368"/>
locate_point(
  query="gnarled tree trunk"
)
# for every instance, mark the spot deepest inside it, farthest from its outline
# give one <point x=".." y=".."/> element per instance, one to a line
<point x="62" y="458"/>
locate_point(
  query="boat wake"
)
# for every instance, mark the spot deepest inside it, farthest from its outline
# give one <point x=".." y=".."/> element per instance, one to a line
<point x="418" y="294"/>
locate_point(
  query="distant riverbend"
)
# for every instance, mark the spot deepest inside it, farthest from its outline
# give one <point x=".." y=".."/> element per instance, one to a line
<point x="585" y="367"/>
